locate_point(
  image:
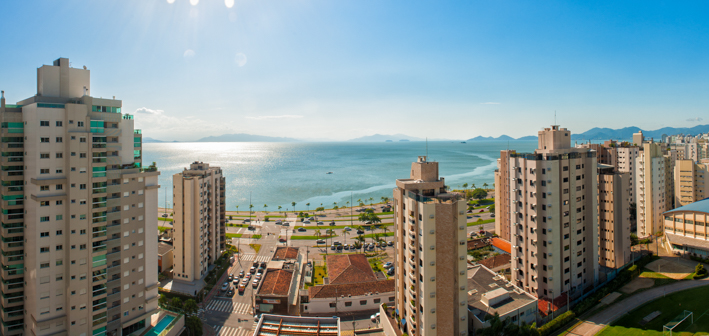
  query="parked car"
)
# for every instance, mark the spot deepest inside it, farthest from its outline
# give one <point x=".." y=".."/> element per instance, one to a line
<point x="231" y="277"/>
<point x="225" y="287"/>
<point x="282" y="240"/>
<point x="241" y="274"/>
<point x="301" y="229"/>
<point x="332" y="247"/>
<point x="481" y="210"/>
<point x="279" y="222"/>
<point x="307" y="221"/>
<point x="263" y="264"/>
<point x="252" y="271"/>
<point x="254" y="284"/>
<point x="286" y="224"/>
<point x="247" y="221"/>
<point x="251" y="228"/>
<point x="360" y="231"/>
<point x="320" y="241"/>
<point x="331" y="223"/>
<point x="388" y="264"/>
<point x="390" y="243"/>
<point x="390" y="271"/>
<point x="337" y="242"/>
<point x="347" y="228"/>
<point x="347" y="247"/>
<point x="339" y="247"/>
<point x="492" y="215"/>
<point x="312" y="218"/>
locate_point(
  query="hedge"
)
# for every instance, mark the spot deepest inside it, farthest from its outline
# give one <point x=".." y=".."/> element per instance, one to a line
<point x="556" y="323"/>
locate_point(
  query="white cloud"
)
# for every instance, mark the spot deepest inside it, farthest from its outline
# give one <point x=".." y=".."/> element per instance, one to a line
<point x="189" y="53"/>
<point x="285" y="116"/>
<point x="229" y="3"/>
<point x="490" y="103"/>
<point x="158" y="124"/>
<point x="697" y="119"/>
<point x="240" y="59"/>
<point x="145" y="110"/>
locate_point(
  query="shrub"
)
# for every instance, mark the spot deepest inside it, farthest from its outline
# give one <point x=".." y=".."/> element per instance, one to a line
<point x="557" y="323"/>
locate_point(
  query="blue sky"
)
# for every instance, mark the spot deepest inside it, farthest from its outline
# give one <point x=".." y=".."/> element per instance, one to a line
<point x="342" y="69"/>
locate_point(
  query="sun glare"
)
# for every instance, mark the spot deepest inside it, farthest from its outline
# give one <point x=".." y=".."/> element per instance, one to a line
<point x="229" y="3"/>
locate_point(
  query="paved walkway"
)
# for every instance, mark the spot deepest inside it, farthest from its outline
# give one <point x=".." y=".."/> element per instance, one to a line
<point x="596" y="323"/>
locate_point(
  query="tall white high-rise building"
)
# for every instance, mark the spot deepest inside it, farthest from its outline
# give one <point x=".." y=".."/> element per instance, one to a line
<point x="79" y="213"/>
<point x="199" y="223"/>
<point x="553" y="204"/>
<point x="653" y="188"/>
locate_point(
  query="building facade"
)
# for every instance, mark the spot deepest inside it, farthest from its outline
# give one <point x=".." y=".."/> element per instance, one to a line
<point x="554" y="219"/>
<point x="691" y="180"/>
<point x="199" y="222"/>
<point x="653" y="188"/>
<point x="430" y="235"/>
<point x="76" y="260"/>
<point x="613" y="217"/>
<point x="502" y="192"/>
<point x="686" y="229"/>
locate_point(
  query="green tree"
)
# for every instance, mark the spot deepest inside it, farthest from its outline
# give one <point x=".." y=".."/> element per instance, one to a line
<point x="265" y="208"/>
<point x="480" y="194"/>
<point x="194" y="325"/>
<point x="279" y="208"/>
<point x="320" y="209"/>
<point x="370" y="201"/>
<point x="345" y="233"/>
<point x="237" y="209"/>
<point x="307" y="207"/>
<point x="163" y="301"/>
<point x="465" y="186"/>
<point x="176" y="304"/>
<point x="293" y="204"/>
<point x="317" y="233"/>
<point x="485" y="186"/>
<point x="190" y="307"/>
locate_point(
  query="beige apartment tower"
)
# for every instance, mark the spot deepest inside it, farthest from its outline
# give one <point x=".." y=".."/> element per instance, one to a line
<point x="502" y="194"/>
<point x="613" y="217"/>
<point x="79" y="213"/>
<point x="653" y="188"/>
<point x="691" y="182"/>
<point x="553" y="213"/>
<point x="199" y="221"/>
<point x="430" y="233"/>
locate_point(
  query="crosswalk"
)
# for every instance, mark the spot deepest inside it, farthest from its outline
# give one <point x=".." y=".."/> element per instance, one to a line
<point x="231" y="331"/>
<point x="253" y="257"/>
<point x="229" y="307"/>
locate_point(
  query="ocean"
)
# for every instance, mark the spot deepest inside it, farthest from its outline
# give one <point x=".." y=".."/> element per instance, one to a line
<point x="277" y="174"/>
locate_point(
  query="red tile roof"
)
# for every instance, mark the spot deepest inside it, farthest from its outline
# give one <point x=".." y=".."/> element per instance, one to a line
<point x="349" y="268"/>
<point x="543" y="304"/>
<point x="276" y="282"/>
<point x="502" y="244"/>
<point x="285" y="253"/>
<point x="496" y="261"/>
<point x="354" y="289"/>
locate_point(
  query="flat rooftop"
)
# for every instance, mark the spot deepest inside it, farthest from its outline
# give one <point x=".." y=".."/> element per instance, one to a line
<point x="295" y="325"/>
<point x="482" y="280"/>
<point x="164" y="248"/>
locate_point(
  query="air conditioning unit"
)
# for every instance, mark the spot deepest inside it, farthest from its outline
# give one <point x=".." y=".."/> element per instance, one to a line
<point x="432" y="232"/>
<point x="433" y="247"/>
<point x="430" y="216"/>
<point x="462" y="257"/>
<point x="549" y="254"/>
<point x="433" y="263"/>
<point x="551" y="278"/>
<point x="550" y="267"/>
<point x="549" y="229"/>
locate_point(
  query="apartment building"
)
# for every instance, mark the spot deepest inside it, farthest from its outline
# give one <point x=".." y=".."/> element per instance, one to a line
<point x="502" y="193"/>
<point x="430" y="233"/>
<point x="613" y="217"/>
<point x="554" y="216"/>
<point x="199" y="222"/>
<point x="626" y="162"/>
<point x="76" y="260"/>
<point x="691" y="180"/>
<point x="653" y="188"/>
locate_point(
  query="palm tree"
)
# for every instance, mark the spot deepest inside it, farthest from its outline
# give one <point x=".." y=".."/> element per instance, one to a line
<point x="307" y="207"/>
<point x="359" y="201"/>
<point x="279" y="208"/>
<point x="472" y="185"/>
<point x="265" y="207"/>
<point x="293" y="204"/>
<point x="370" y="201"/>
<point x="317" y="233"/>
<point x="345" y="233"/>
<point x="251" y="206"/>
<point x="360" y="239"/>
<point x="237" y="209"/>
<point x="485" y="186"/>
<point x="334" y="206"/>
<point x="465" y="186"/>
<point x="348" y="204"/>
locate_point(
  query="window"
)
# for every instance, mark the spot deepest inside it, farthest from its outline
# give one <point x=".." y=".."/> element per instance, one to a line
<point x="44" y="171"/>
<point x="82" y="186"/>
<point x="81" y="124"/>
<point x="59" y="155"/>
<point x="59" y="232"/>
<point x="44" y="140"/>
<point x="44" y="155"/>
<point x="82" y="155"/>
<point x="58" y="139"/>
<point x="82" y="139"/>
<point x="44" y="203"/>
<point x="59" y="124"/>
<point x="44" y="249"/>
<point x="44" y="219"/>
<point x="59" y="248"/>
<point x="332" y="305"/>
<point x="44" y="188"/>
<point x="44" y="234"/>
<point x="362" y="302"/>
<point x="59" y="217"/>
<point x="59" y="171"/>
<point x="348" y="303"/>
<point x="59" y="187"/>
<point x="44" y="265"/>
<point x="44" y="123"/>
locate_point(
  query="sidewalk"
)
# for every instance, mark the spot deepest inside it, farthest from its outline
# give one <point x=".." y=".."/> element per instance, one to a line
<point x="596" y="323"/>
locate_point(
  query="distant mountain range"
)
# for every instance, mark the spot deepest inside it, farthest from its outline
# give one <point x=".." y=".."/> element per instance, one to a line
<point x="501" y="138"/>
<point x="242" y="137"/>
<point x="391" y="138"/>
<point x="627" y="132"/>
<point x="151" y="140"/>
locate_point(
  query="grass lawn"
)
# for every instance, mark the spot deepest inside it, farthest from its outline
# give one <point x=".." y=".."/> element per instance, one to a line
<point x="376" y="264"/>
<point x="233" y="235"/>
<point x="256" y="236"/>
<point x="165" y="219"/>
<point x="672" y="305"/>
<point x="485" y="221"/>
<point x="383" y="234"/>
<point x="310" y="237"/>
<point x="163" y="228"/>
<point x="256" y="247"/>
<point x="319" y="272"/>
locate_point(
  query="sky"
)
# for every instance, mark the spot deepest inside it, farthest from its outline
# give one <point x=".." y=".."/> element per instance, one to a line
<point x="341" y="69"/>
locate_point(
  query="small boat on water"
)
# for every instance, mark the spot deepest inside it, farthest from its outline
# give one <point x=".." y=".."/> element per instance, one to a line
<point x="329" y="172"/>
<point x="462" y="142"/>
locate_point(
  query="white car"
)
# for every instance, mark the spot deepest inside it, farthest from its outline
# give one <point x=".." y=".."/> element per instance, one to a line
<point x="225" y="286"/>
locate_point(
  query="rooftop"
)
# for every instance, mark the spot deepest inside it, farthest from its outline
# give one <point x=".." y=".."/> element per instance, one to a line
<point x="353" y="289"/>
<point x="503" y="296"/>
<point x="698" y="206"/>
<point x="502" y="244"/>
<point x="276" y="282"/>
<point x="478" y="243"/>
<point x="295" y="325"/>
<point x="496" y="261"/>
<point x="285" y="253"/>
<point x="349" y="268"/>
<point x="698" y="243"/>
<point x="164" y="248"/>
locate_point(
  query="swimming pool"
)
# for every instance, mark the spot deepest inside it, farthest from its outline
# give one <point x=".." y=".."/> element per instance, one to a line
<point x="161" y="325"/>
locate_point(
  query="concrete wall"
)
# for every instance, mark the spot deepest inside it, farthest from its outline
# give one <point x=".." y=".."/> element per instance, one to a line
<point x="322" y="306"/>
